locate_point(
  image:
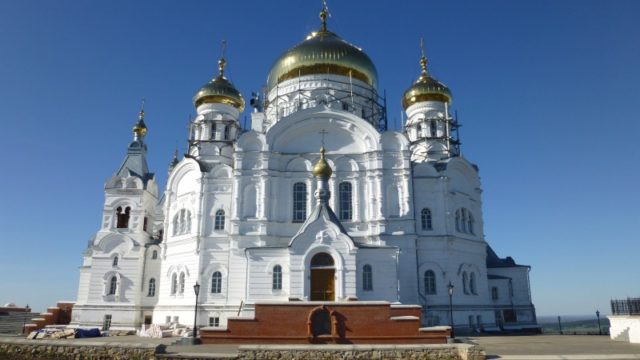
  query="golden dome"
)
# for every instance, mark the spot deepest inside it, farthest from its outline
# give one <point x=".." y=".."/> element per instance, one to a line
<point x="322" y="168"/>
<point x="426" y="88"/>
<point x="323" y="52"/>
<point x="219" y="90"/>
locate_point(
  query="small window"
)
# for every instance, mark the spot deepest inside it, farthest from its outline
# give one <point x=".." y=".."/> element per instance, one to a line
<point x="213" y="131"/>
<point x="216" y="283"/>
<point x="181" y="289"/>
<point x="276" y="283"/>
<point x="465" y="281"/>
<point x="219" y="220"/>
<point x="174" y="284"/>
<point x="144" y="224"/>
<point x="472" y="283"/>
<point x="154" y="255"/>
<point x="226" y="132"/>
<point x="214" y="321"/>
<point x="367" y="278"/>
<point x="479" y="321"/>
<point x="494" y="293"/>
<point x="429" y="282"/>
<point x="113" y="285"/>
<point x="152" y="288"/>
<point x="346" y="200"/>
<point x="425" y="217"/>
<point x="167" y="320"/>
<point x="299" y="202"/>
<point x="115" y="261"/>
<point x="176" y="319"/>
<point x="106" y="323"/>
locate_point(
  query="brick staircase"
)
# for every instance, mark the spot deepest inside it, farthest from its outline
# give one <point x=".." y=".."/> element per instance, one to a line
<point x="56" y="315"/>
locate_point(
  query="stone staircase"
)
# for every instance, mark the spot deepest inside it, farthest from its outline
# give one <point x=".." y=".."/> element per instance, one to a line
<point x="56" y="315"/>
<point x="12" y="323"/>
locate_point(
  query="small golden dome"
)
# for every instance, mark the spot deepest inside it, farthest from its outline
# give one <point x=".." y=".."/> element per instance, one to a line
<point x="219" y="90"/>
<point x="322" y="168"/>
<point x="323" y="52"/>
<point x="426" y="88"/>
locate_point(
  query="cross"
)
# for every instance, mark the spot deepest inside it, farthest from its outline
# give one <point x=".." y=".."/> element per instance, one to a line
<point x="323" y="133"/>
<point x="224" y="47"/>
<point x="422" y="46"/>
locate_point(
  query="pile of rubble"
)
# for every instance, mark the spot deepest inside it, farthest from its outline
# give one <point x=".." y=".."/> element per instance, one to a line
<point x="162" y="331"/>
<point x="69" y="333"/>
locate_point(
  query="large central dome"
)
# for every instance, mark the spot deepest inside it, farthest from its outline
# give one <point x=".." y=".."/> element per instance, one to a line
<point x="323" y="52"/>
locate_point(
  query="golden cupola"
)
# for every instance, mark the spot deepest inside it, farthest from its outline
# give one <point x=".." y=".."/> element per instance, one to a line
<point x="323" y="52"/>
<point x="426" y="88"/>
<point x="322" y="168"/>
<point x="219" y="91"/>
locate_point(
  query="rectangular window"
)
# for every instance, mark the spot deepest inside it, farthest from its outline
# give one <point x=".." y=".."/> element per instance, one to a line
<point x="479" y="320"/>
<point x="299" y="202"/>
<point x="106" y="323"/>
<point x="471" y="324"/>
<point x="214" y="321"/>
<point x="346" y="201"/>
<point x="167" y="319"/>
<point x="176" y="319"/>
<point x="494" y="293"/>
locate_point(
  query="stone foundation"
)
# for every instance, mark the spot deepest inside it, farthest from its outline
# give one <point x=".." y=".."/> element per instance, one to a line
<point x="374" y="352"/>
<point x="22" y="349"/>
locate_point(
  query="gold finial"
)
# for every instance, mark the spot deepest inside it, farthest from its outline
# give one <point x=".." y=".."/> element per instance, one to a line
<point x="323" y="15"/>
<point x="222" y="62"/>
<point x="140" y="129"/>
<point x="423" y="58"/>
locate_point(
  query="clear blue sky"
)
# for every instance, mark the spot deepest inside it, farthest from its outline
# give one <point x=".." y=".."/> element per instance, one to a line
<point x="547" y="91"/>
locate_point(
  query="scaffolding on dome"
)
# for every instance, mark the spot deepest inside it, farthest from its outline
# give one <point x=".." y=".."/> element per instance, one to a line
<point x="374" y="111"/>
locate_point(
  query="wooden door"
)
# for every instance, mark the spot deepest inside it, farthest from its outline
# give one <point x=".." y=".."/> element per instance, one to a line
<point x="322" y="285"/>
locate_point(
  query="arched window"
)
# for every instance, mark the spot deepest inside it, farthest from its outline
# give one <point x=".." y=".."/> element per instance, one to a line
<point x="464" y="221"/>
<point x="346" y="200"/>
<point x="122" y="217"/>
<point x="154" y="254"/>
<point x="226" y="132"/>
<point x="115" y="261"/>
<point x="472" y="283"/>
<point x="299" y="202"/>
<point x="216" y="283"/>
<point x="433" y="129"/>
<point x="113" y="285"/>
<point x="276" y="283"/>
<point x="182" y="222"/>
<point x="181" y="284"/>
<point x="174" y="283"/>
<point x="213" y="131"/>
<point x="219" y="221"/>
<point x="425" y="217"/>
<point x="367" y="278"/>
<point x="465" y="281"/>
<point x="152" y="288"/>
<point x="429" y="282"/>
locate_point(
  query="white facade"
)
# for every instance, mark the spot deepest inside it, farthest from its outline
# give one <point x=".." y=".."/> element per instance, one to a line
<point x="243" y="215"/>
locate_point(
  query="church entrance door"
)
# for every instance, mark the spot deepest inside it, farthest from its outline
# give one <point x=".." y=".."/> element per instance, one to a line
<point x="322" y="278"/>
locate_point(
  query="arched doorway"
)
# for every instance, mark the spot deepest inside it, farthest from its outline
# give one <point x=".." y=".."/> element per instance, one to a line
<point x="322" y="278"/>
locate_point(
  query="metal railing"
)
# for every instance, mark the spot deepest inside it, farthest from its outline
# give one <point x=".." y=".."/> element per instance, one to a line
<point x="630" y="306"/>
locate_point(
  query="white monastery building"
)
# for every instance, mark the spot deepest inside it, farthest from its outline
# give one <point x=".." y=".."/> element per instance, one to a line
<point x="316" y="201"/>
